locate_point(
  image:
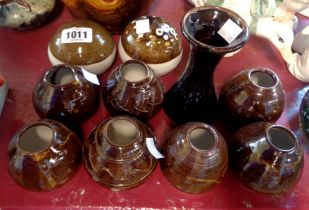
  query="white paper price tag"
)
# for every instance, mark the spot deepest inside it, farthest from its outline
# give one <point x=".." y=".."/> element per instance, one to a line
<point x="91" y="77"/>
<point x="152" y="148"/>
<point x="229" y="31"/>
<point x="76" y="35"/>
<point x="142" y="26"/>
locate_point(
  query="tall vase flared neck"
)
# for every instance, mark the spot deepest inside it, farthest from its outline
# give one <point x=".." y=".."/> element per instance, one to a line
<point x="201" y="28"/>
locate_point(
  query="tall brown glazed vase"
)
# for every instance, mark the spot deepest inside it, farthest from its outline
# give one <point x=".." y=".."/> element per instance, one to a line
<point x="194" y="92"/>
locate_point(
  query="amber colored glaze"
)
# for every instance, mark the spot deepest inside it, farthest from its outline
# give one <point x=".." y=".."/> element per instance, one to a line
<point x="84" y="53"/>
<point x="113" y="14"/>
<point x="115" y="154"/>
<point x="253" y="95"/>
<point x="141" y="95"/>
<point x="267" y="158"/>
<point x="195" y="157"/>
<point x="161" y="44"/>
<point x="193" y="97"/>
<point x="63" y="94"/>
<point x="41" y="162"/>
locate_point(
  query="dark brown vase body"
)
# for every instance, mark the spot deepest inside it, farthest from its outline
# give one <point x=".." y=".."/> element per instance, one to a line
<point x="115" y="154"/>
<point x="43" y="155"/>
<point x="195" y="157"/>
<point x="133" y="89"/>
<point x="193" y="96"/>
<point x="64" y="94"/>
<point x="265" y="157"/>
<point x="253" y="95"/>
<point x="113" y="14"/>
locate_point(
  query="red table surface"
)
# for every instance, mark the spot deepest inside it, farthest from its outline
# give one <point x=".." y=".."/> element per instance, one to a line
<point x="23" y="59"/>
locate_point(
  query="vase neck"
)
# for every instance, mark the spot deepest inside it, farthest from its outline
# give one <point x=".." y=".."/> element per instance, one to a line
<point x="202" y="62"/>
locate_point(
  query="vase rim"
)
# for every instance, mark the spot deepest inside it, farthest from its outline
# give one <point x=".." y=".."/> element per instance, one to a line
<point x="230" y="47"/>
<point x="208" y="128"/>
<point x="290" y="146"/>
<point x="56" y="68"/>
<point x="269" y="72"/>
<point x="148" y="71"/>
<point x="30" y="126"/>
<point x="122" y="118"/>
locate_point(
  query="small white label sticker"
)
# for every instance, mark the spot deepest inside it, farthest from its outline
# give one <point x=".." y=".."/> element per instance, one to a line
<point x="91" y="77"/>
<point x="142" y="26"/>
<point x="153" y="149"/>
<point x="229" y="31"/>
<point x="76" y="35"/>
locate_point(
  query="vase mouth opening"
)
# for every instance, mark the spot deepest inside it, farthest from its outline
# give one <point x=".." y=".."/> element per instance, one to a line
<point x="201" y="26"/>
<point x="36" y="138"/>
<point x="202" y="138"/>
<point x="263" y="78"/>
<point x="60" y="75"/>
<point x="135" y="71"/>
<point x="121" y="132"/>
<point x="281" y="138"/>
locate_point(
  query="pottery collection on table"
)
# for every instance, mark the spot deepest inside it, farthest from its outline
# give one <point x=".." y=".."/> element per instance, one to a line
<point x="44" y="155"/>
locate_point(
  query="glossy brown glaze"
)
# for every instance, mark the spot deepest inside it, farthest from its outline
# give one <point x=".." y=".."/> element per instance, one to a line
<point x="63" y="94"/>
<point x="267" y="158"/>
<point x="82" y="53"/>
<point x="113" y="14"/>
<point x="43" y="155"/>
<point x="253" y="95"/>
<point x="133" y="89"/>
<point x="24" y="14"/>
<point x="115" y="154"/>
<point x="195" y="157"/>
<point x="193" y="97"/>
<point x="160" y="44"/>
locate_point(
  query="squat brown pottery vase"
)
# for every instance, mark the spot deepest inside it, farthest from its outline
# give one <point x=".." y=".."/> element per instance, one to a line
<point x="133" y="89"/>
<point x="115" y="154"/>
<point x="64" y="94"/>
<point x="267" y="158"/>
<point x="152" y="40"/>
<point x="44" y="155"/>
<point x="83" y="43"/>
<point x="253" y="95"/>
<point x="194" y="93"/>
<point x="196" y="157"/>
<point x="113" y="14"/>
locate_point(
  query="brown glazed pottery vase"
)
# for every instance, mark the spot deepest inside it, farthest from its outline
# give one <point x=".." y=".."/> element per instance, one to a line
<point x="64" y="94"/>
<point x="83" y="43"/>
<point x="134" y="89"/>
<point x="115" y="154"/>
<point x="266" y="158"/>
<point x="44" y="155"/>
<point x="253" y="95"/>
<point x="113" y="14"/>
<point x="196" y="157"/>
<point x="158" y="45"/>
<point x="193" y="97"/>
<point x="24" y="14"/>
